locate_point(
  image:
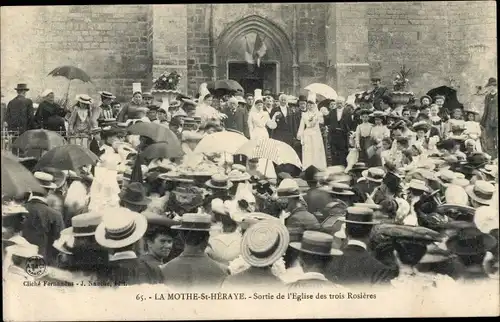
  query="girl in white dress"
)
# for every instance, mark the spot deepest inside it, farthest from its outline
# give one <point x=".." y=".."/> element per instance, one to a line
<point x="309" y="133"/>
<point x="258" y="121"/>
<point x="473" y="128"/>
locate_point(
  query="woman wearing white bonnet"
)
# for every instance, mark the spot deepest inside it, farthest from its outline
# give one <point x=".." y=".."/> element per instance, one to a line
<point x="49" y="115"/>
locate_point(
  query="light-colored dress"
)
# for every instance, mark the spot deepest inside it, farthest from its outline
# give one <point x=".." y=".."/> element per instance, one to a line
<point x="473" y="132"/>
<point x="257" y="126"/>
<point x="309" y="133"/>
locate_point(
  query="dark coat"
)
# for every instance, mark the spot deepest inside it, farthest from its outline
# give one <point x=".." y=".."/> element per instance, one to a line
<point x="338" y="133"/>
<point x="489" y="122"/>
<point x="42" y="227"/>
<point x="50" y="116"/>
<point x="237" y="120"/>
<point x="358" y="267"/>
<point x="194" y="270"/>
<point x="300" y="217"/>
<point x="254" y="277"/>
<point x="287" y="128"/>
<point x="19" y="115"/>
<point x="133" y="271"/>
<point x="317" y="200"/>
<point x="362" y="188"/>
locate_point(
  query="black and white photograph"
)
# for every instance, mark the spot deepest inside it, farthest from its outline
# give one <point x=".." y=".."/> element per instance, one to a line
<point x="204" y="161"/>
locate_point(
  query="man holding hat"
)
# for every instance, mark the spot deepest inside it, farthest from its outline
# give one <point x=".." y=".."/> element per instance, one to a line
<point x="357" y="266"/>
<point x="20" y="113"/>
<point x="193" y="268"/>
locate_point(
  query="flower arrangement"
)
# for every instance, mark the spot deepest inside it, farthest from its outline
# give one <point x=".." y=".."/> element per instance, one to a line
<point x="401" y="80"/>
<point x="167" y="81"/>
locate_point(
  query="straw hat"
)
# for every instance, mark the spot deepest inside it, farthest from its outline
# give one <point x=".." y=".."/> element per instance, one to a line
<point x="46" y="180"/>
<point x="264" y="243"/>
<point x="359" y="215"/>
<point x="446" y="177"/>
<point x="481" y="192"/>
<point x="84" y="224"/>
<point x="195" y="222"/>
<point x="59" y="176"/>
<point x="288" y="188"/>
<point x="418" y="185"/>
<point x="23" y="250"/>
<point x="316" y="243"/>
<point x="252" y="218"/>
<point x="341" y="189"/>
<point x="358" y="166"/>
<point x="120" y="227"/>
<point x="219" y="181"/>
<point x="105" y="94"/>
<point x="374" y="174"/>
<point x="83" y="98"/>
<point x="13" y="208"/>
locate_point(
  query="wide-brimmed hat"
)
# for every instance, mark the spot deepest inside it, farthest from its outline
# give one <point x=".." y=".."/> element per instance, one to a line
<point x="316" y="243"/>
<point x="120" y="227"/>
<point x="358" y="166"/>
<point x="105" y="94"/>
<point x="83" y="98"/>
<point x="219" y="181"/>
<point x="135" y="193"/>
<point x="359" y="215"/>
<point x="339" y="188"/>
<point x="22" y="87"/>
<point x="490" y="170"/>
<point x="446" y="177"/>
<point x="13" y="208"/>
<point x="288" y="188"/>
<point x="457" y="212"/>
<point x="422" y="125"/>
<point x="195" y="222"/>
<point x="84" y="224"/>
<point x="470" y="241"/>
<point x="418" y="185"/>
<point x="59" y="175"/>
<point x="245" y="220"/>
<point x="264" y="243"/>
<point x="374" y="174"/>
<point x="378" y="115"/>
<point x="23" y="250"/>
<point x="481" y="191"/>
<point x="363" y="111"/>
<point x="46" y="180"/>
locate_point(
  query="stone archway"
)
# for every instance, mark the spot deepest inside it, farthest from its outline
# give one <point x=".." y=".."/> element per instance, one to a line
<point x="233" y="40"/>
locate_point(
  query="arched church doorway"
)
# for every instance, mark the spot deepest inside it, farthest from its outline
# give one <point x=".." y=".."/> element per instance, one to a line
<point x="256" y="53"/>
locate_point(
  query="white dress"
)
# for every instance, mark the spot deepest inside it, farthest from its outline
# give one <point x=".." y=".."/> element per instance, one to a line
<point x="257" y="122"/>
<point x="313" y="149"/>
<point x="473" y="131"/>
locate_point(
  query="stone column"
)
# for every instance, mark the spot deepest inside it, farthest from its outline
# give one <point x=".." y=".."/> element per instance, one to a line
<point x="295" y="64"/>
<point x="348" y="36"/>
<point x="169" y="41"/>
<point x="213" y="54"/>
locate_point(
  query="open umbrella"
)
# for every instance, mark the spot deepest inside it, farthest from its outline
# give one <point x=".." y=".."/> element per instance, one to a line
<point x="156" y="132"/>
<point x="218" y="142"/>
<point x="450" y="94"/>
<point x="270" y="149"/>
<point x="39" y="140"/>
<point x="322" y="89"/>
<point x="67" y="157"/>
<point x="163" y="150"/>
<point x="16" y="179"/>
<point x="71" y="73"/>
<point x="226" y="85"/>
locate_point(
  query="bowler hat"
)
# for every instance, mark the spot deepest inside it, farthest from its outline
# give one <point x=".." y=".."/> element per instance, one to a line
<point x="135" y="194"/>
<point x="470" y="241"/>
<point x="316" y="243"/>
<point x="302" y="98"/>
<point x="22" y="87"/>
<point x="491" y="82"/>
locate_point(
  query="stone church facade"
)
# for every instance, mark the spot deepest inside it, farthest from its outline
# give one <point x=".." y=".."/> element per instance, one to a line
<point x="340" y="44"/>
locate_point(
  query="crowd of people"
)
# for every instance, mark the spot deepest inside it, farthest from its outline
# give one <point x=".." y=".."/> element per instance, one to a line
<point x="387" y="193"/>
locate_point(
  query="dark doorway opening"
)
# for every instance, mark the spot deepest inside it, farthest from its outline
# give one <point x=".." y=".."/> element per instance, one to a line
<point x="252" y="77"/>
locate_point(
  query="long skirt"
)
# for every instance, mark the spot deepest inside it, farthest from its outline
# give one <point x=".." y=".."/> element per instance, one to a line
<point x="313" y="150"/>
<point x="364" y="143"/>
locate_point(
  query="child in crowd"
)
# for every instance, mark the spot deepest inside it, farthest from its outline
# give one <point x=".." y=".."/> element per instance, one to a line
<point x="473" y="128"/>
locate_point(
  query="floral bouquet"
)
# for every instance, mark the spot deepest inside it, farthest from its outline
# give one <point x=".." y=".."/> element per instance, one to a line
<point x="401" y="80"/>
<point x="167" y="82"/>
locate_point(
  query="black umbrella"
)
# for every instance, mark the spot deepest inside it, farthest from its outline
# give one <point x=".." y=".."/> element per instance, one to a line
<point x="450" y="94"/>
<point x="225" y="86"/>
<point x="71" y="73"/>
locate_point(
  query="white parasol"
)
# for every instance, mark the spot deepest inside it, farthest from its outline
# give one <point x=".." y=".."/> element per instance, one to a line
<point x="270" y="149"/>
<point x="322" y="89"/>
<point x="226" y="141"/>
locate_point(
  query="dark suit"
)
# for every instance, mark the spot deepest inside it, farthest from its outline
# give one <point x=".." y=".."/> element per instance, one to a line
<point x="302" y="218"/>
<point x="42" y="227"/>
<point x="379" y="95"/>
<point x="338" y="133"/>
<point x="50" y="116"/>
<point x="358" y="267"/>
<point x="237" y="120"/>
<point x="19" y="115"/>
<point x="287" y="128"/>
<point x="194" y="270"/>
<point x="133" y="271"/>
